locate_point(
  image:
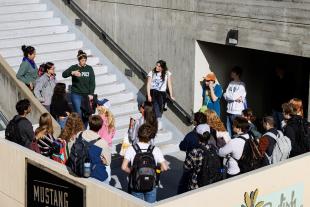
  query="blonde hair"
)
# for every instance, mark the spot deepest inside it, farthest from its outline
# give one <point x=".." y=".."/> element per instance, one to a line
<point x="214" y="121"/>
<point x="297" y="106"/>
<point x="108" y="114"/>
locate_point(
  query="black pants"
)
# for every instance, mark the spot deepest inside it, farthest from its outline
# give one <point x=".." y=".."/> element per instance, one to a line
<point x="158" y="99"/>
<point x="184" y="182"/>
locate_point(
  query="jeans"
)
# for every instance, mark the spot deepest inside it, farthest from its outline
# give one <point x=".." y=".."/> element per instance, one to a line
<point x="76" y="100"/>
<point x="229" y="123"/>
<point x="146" y="196"/>
<point x="62" y="122"/>
<point x="158" y="99"/>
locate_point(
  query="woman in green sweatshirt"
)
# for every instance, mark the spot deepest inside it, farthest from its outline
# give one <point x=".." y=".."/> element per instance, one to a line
<point x="28" y="70"/>
<point x="83" y="81"/>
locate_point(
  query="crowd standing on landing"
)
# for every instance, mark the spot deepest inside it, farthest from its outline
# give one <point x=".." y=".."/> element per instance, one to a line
<point x="213" y="151"/>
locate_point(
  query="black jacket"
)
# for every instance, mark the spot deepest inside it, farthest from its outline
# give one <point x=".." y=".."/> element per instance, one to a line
<point x="294" y="131"/>
<point x="25" y="131"/>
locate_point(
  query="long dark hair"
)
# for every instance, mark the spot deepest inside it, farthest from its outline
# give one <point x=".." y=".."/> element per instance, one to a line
<point x="28" y="50"/>
<point x="59" y="93"/>
<point x="164" y="67"/>
<point x="46" y="66"/>
<point x="149" y="117"/>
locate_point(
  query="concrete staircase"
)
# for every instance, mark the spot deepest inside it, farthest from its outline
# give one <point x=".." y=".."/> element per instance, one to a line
<point x="38" y="23"/>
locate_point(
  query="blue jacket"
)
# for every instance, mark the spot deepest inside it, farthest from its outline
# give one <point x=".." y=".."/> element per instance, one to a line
<point x="98" y="169"/>
<point x="189" y="142"/>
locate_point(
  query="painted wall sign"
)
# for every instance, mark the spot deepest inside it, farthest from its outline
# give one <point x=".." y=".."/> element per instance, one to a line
<point x="46" y="188"/>
<point x="289" y="197"/>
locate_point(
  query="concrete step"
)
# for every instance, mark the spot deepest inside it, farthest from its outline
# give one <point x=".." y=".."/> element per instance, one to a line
<point x="122" y="122"/>
<point x="119" y="98"/>
<point x="92" y="61"/>
<point x="43" y="48"/>
<point x="99" y="70"/>
<point x="30" y="24"/>
<point x="107" y="90"/>
<point x="26" y="16"/>
<point x="49" y="57"/>
<point x="169" y="148"/>
<point x="32" y="32"/>
<point x="161" y="137"/>
<point x="125" y="109"/>
<point x="38" y="40"/>
<point x="22" y="8"/>
<point x="17" y="2"/>
<point x="100" y="79"/>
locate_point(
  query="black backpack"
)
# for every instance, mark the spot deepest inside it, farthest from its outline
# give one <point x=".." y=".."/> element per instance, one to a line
<point x="12" y="132"/>
<point x="212" y="169"/>
<point x="251" y="157"/>
<point x="79" y="155"/>
<point x="143" y="174"/>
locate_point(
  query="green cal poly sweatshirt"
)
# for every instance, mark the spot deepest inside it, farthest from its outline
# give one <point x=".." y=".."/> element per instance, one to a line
<point x="85" y="84"/>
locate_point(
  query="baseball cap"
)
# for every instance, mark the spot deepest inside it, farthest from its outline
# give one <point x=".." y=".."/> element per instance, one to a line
<point x="210" y="77"/>
<point x="104" y="102"/>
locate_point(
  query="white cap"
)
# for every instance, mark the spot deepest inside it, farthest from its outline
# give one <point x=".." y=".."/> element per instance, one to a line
<point x="202" y="128"/>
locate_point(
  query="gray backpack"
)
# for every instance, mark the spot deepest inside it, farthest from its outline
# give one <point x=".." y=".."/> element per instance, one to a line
<point x="282" y="148"/>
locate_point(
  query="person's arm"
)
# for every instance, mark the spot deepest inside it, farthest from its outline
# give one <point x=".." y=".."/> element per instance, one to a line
<point x="26" y="132"/>
<point x="38" y="87"/>
<point x="67" y="73"/>
<point x="125" y="167"/>
<point x="164" y="166"/>
<point x="170" y="87"/>
<point x="226" y="150"/>
<point x="92" y="81"/>
<point x="289" y="132"/>
<point x="215" y="92"/>
<point x="228" y="94"/>
<point x="184" y="144"/>
<point x="20" y="75"/>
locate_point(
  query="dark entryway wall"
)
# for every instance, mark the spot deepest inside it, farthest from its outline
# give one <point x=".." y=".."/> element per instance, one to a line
<point x="258" y="70"/>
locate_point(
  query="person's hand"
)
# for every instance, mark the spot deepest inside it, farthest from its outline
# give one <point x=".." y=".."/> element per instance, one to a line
<point x="239" y="100"/>
<point x="31" y="86"/>
<point x="172" y="98"/>
<point x="211" y="84"/>
<point x="91" y="97"/>
<point x="76" y="73"/>
<point x="149" y="98"/>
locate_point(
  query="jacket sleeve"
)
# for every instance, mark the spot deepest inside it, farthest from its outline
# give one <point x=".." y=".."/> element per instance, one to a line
<point x="184" y="144"/>
<point x="92" y="82"/>
<point x="227" y="149"/>
<point x="22" y="72"/>
<point x="232" y="96"/>
<point x="38" y="87"/>
<point x="218" y="91"/>
<point x="290" y="133"/>
<point x="67" y="73"/>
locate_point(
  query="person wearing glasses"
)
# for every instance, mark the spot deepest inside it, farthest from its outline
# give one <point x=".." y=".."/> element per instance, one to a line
<point x="211" y="93"/>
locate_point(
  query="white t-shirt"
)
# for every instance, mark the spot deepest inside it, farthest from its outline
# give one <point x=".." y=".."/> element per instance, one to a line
<point x="157" y="83"/>
<point x="158" y="155"/>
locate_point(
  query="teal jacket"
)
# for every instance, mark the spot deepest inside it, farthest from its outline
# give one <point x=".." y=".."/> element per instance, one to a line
<point x="26" y="73"/>
<point x="84" y="85"/>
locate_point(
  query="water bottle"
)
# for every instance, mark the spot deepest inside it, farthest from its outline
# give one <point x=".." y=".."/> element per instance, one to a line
<point x="87" y="169"/>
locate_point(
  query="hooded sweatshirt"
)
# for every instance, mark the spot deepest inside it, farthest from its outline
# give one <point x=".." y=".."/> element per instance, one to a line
<point x="235" y="90"/>
<point x="44" y="89"/>
<point x="27" y="72"/>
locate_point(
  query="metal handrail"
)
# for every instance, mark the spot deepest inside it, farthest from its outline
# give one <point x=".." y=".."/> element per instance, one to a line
<point x="187" y="118"/>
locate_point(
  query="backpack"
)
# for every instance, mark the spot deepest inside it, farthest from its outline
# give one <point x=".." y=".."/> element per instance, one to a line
<point x="282" y="148"/>
<point x="12" y="132"/>
<point x="79" y="155"/>
<point x="61" y="154"/>
<point x="143" y="174"/>
<point x="212" y="169"/>
<point x="251" y="157"/>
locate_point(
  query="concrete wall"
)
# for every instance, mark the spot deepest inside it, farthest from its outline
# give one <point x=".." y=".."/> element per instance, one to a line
<point x="290" y="174"/>
<point x="12" y="180"/>
<point x="160" y="29"/>
<point x="12" y="90"/>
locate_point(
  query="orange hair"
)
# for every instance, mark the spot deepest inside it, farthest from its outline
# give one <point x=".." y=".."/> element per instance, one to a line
<point x="214" y="121"/>
<point x="297" y="106"/>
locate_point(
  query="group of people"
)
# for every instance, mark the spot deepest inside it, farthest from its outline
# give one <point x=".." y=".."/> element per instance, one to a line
<point x="88" y="125"/>
<point x="213" y="151"/>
